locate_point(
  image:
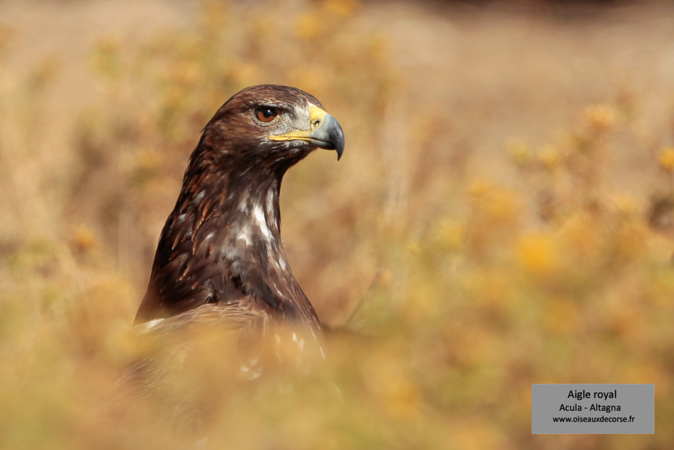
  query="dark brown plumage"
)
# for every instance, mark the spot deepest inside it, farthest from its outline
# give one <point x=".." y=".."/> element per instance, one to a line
<point x="220" y="255"/>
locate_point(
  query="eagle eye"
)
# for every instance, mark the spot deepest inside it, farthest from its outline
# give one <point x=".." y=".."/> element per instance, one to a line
<point x="266" y="114"/>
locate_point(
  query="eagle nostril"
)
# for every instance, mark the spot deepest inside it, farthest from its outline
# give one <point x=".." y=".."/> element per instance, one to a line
<point x="315" y="123"/>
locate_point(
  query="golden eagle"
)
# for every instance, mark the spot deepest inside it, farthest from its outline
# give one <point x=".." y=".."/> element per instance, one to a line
<point x="220" y="255"/>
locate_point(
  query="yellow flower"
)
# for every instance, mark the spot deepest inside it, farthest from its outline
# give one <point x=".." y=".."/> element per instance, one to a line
<point x="520" y="152"/>
<point x="666" y="158"/>
<point x="83" y="237"/>
<point x="600" y="117"/>
<point x="493" y="204"/>
<point x="549" y="156"/>
<point x="538" y="254"/>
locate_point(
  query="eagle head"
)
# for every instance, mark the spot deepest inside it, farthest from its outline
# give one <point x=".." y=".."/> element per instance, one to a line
<point x="270" y="126"/>
<point x="221" y="245"/>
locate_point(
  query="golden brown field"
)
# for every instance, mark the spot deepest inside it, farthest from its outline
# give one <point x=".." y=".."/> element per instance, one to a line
<point x="502" y="216"/>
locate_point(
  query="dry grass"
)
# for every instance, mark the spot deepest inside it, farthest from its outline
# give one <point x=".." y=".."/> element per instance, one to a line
<point x="501" y="216"/>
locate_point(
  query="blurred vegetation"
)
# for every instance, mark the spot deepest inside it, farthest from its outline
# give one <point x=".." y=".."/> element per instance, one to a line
<point x="464" y="248"/>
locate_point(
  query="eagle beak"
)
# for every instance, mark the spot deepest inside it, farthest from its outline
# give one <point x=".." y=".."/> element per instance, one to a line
<point x="325" y="132"/>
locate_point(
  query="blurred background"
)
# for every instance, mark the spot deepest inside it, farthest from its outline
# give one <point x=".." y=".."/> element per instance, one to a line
<point x="502" y="215"/>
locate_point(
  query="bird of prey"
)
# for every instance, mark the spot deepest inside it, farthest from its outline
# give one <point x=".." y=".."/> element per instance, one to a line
<point x="220" y="257"/>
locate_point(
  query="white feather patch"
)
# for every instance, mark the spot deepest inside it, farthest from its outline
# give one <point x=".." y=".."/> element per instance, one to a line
<point x="149" y="326"/>
<point x="258" y="213"/>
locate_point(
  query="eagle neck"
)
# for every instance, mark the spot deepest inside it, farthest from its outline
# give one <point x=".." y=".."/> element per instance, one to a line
<point x="237" y="213"/>
<point x="253" y="214"/>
